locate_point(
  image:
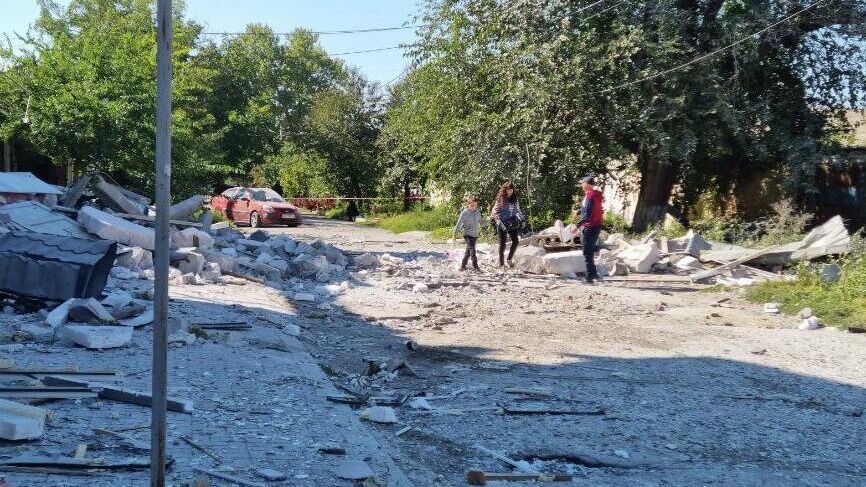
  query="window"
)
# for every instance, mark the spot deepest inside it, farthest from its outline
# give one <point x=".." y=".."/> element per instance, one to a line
<point x="266" y="194"/>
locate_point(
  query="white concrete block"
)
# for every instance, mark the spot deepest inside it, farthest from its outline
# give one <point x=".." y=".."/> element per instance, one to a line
<point x="21" y="421"/>
<point x="116" y="229"/>
<point x="97" y="337"/>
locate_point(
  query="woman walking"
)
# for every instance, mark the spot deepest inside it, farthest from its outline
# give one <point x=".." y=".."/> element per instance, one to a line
<point x="508" y="217"/>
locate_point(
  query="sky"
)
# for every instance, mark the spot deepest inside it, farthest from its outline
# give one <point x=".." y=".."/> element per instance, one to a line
<point x="285" y="15"/>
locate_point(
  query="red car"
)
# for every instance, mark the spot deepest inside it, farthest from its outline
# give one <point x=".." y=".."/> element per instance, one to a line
<point x="256" y="207"/>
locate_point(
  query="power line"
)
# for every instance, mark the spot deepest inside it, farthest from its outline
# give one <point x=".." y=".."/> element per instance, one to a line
<point x="705" y="56"/>
<point x="587" y="7"/>
<point x="318" y="32"/>
<point x="371" y="50"/>
<point x="602" y="12"/>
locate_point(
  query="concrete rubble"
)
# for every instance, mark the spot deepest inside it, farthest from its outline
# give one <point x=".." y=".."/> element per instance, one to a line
<point x="20" y="421"/>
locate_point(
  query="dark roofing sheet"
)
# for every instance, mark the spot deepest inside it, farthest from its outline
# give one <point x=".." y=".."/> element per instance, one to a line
<point x="53" y="267"/>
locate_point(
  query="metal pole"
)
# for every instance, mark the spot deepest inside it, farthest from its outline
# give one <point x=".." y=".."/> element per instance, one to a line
<point x="160" y="258"/>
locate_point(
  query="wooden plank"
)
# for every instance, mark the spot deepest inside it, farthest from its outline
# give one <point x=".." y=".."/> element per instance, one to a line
<point x="122" y="395"/>
<point x="47" y="471"/>
<point x="701" y="275"/>
<point x="188" y="441"/>
<point x="90" y="373"/>
<point x="46" y="392"/>
<point x="130" y="441"/>
<point x="477" y="477"/>
<point x="559" y="412"/>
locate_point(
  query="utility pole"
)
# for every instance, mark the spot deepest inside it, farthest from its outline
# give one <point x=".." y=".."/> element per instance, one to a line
<point x="159" y="370"/>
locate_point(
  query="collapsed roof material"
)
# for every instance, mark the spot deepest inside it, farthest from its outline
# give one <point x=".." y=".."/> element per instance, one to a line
<point x="54" y="267"/>
<point x="33" y="216"/>
<point x="25" y="183"/>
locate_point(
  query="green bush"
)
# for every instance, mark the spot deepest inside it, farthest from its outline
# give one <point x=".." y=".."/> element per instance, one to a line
<point x="338" y="212"/>
<point x="615" y="223"/>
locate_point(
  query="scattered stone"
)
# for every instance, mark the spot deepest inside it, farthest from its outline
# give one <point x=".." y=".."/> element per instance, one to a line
<point x="117" y="299"/>
<point x="136" y="258"/>
<point x="622" y="454"/>
<point x="89" y="311"/>
<point x="304" y="297"/>
<point x="810" y="323"/>
<point x="270" y="474"/>
<point x="640" y="258"/>
<point x="805" y="313"/>
<point x="97" y="337"/>
<point x="772" y="308"/>
<point x="20" y="421"/>
<point x="292" y="330"/>
<point x="379" y="414"/>
<point x="366" y="261"/>
<point x="420" y="403"/>
<point x="354" y="470"/>
<point x="689" y="263"/>
<point x="192" y="237"/>
<point x="259" y="236"/>
<point x="420" y="288"/>
<point x="123" y="273"/>
<point x="145" y="318"/>
<point x="412" y="345"/>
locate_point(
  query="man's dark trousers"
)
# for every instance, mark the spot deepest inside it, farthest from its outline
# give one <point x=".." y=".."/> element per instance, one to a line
<point x="589" y="241"/>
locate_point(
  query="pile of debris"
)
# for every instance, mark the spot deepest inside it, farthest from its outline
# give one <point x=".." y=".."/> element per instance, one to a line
<point x="685" y="258"/>
<point x="63" y="254"/>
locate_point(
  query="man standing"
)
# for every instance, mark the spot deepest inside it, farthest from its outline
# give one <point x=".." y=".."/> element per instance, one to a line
<point x="591" y="218"/>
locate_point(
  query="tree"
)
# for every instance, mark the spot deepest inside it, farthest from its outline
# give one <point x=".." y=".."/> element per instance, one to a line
<point x="344" y="125"/>
<point x="544" y="90"/>
<point x="263" y="93"/>
<point x="90" y="71"/>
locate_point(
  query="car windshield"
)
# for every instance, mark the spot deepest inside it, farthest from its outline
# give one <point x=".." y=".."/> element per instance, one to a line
<point x="266" y="194"/>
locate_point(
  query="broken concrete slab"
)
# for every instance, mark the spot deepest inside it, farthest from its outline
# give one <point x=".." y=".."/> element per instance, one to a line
<point x="128" y="311"/>
<point x="143" y="319"/>
<point x="192" y="237"/>
<point x="117" y="299"/>
<point x="352" y="469"/>
<point x="640" y="258"/>
<point x="270" y="474"/>
<point x="185" y="209"/>
<point x="565" y="262"/>
<point x="193" y="263"/>
<point x="379" y="414"/>
<point x="60" y="315"/>
<point x="366" y="261"/>
<point x="304" y="297"/>
<point x="21" y="421"/>
<point x="89" y="311"/>
<point x="226" y="262"/>
<point x="97" y="337"/>
<point x="115" y="228"/>
<point x="136" y="258"/>
<point x="688" y="263"/>
<point x="114" y="198"/>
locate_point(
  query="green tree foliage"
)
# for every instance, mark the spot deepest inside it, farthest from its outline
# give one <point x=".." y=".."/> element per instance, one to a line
<point x="344" y="125"/>
<point x="264" y="91"/>
<point x="545" y="90"/>
<point x="89" y="73"/>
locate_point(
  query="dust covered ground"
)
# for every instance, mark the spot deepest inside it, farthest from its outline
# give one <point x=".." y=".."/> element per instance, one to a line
<point x="696" y="388"/>
<point x="629" y="383"/>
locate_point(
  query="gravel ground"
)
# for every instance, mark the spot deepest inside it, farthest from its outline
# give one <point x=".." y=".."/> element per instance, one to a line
<point x="624" y="383"/>
<point x="697" y="388"/>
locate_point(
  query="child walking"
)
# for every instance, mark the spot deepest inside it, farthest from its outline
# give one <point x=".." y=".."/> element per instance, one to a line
<point x="470" y="220"/>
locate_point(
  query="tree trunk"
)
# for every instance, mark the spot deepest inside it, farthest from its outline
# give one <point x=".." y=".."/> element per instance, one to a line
<point x="7" y="156"/>
<point x="407" y="205"/>
<point x="656" y="184"/>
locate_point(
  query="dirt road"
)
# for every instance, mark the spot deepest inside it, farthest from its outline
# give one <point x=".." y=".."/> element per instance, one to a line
<point x="643" y="383"/>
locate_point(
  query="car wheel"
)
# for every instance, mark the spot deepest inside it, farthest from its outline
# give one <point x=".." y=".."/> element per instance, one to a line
<point x="255" y="221"/>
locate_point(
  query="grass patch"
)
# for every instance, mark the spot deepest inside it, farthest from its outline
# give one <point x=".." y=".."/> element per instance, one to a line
<point x="841" y="304"/>
<point x="438" y="219"/>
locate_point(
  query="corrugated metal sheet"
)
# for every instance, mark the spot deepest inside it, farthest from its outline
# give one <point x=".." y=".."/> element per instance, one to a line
<point x="54" y="267"/>
<point x="33" y="216"/>
<point x="24" y="182"/>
